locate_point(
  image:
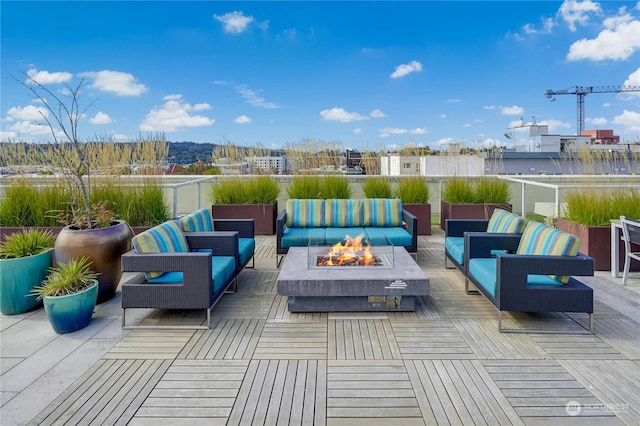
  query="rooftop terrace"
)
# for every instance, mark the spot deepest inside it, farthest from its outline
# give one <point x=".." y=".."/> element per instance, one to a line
<point x="260" y="364"/>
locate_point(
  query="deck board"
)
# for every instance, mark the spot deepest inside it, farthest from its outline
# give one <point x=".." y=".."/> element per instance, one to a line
<point x="446" y="363"/>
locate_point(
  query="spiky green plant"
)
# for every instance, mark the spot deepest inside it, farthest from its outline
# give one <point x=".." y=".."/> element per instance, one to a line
<point x="254" y="190"/>
<point x="27" y="242"/>
<point x="377" y="187"/>
<point x="335" y="187"/>
<point x="593" y="207"/>
<point x="305" y="187"/>
<point x="67" y="278"/>
<point x="490" y="190"/>
<point x="413" y="190"/>
<point x="459" y="190"/>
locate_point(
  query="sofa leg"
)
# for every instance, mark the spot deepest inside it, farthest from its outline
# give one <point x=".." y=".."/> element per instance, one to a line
<point x="466" y="287"/>
<point x="279" y="260"/>
<point x="543" y="331"/>
<point x="123" y="321"/>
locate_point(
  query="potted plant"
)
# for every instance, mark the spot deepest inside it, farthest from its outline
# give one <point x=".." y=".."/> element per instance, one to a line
<point x="247" y="198"/>
<point x="91" y="228"/>
<point x="25" y="258"/>
<point x="69" y="293"/>
<point x="463" y="199"/>
<point x="319" y="187"/>
<point x="588" y="215"/>
<point x="414" y="193"/>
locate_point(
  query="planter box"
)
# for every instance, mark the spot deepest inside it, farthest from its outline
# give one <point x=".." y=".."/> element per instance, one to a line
<point x="596" y="243"/>
<point x="468" y="211"/>
<point x="264" y="215"/>
<point x="423" y="213"/>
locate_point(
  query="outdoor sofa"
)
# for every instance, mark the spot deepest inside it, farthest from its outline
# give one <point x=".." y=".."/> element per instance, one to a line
<point x="531" y="272"/>
<point x="174" y="269"/>
<point x="326" y="222"/>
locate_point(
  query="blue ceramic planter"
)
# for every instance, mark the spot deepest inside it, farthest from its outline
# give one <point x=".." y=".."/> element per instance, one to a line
<point x="18" y="277"/>
<point x="73" y="311"/>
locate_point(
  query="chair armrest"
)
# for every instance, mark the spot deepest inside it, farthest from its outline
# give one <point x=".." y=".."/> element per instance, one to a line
<point x="457" y="227"/>
<point x="480" y="244"/>
<point x="280" y="224"/>
<point x="194" y="265"/>
<point x="517" y="266"/>
<point x="222" y="243"/>
<point x="245" y="227"/>
<point x="412" y="227"/>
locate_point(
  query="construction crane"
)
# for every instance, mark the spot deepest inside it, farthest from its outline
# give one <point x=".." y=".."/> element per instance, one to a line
<point x="582" y="91"/>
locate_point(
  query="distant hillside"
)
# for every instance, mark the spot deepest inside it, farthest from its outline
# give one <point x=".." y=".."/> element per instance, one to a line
<point x="190" y="152"/>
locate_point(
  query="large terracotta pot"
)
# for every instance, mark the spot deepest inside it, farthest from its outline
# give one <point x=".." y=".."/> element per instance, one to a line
<point x="423" y="213"/>
<point x="104" y="246"/>
<point x="264" y="215"/>
<point x="468" y="211"/>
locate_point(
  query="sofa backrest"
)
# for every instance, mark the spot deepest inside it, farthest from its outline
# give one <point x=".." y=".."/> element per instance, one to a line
<point x="540" y="239"/>
<point x="378" y="212"/>
<point x="198" y="221"/>
<point x="341" y="213"/>
<point x="504" y="221"/>
<point x="305" y="213"/>
<point x="164" y="238"/>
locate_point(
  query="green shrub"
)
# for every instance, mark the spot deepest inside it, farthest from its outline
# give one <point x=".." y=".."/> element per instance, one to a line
<point x="458" y="190"/>
<point x="305" y="187"/>
<point x="254" y="190"/>
<point x="26" y="204"/>
<point x="492" y="191"/>
<point x="144" y="205"/>
<point x="377" y="187"/>
<point x="335" y="187"/>
<point x="591" y="207"/>
<point x="413" y="190"/>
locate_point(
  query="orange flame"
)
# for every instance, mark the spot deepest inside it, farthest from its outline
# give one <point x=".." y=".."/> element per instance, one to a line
<point x="353" y="251"/>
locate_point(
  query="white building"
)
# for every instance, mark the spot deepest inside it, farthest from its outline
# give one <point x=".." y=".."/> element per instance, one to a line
<point x="432" y="165"/>
<point x="278" y="164"/>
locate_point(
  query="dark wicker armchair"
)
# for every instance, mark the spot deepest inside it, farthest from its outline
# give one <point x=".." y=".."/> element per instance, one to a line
<point x="198" y="288"/>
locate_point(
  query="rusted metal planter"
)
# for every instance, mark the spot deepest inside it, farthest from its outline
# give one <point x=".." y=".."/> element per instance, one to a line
<point x="264" y="215"/>
<point x="423" y="213"/>
<point x="468" y="211"/>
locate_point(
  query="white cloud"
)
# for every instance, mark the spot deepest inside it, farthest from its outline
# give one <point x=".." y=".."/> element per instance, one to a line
<point x="101" y="118"/>
<point x="234" y="22"/>
<point x="119" y="83"/>
<point x="242" y="119"/>
<point x="512" y="110"/>
<point x="28" y="113"/>
<point x="633" y="80"/>
<point x="174" y="115"/>
<point x="30" y="128"/>
<point x="46" y="77"/>
<point x="489" y="107"/>
<point x="376" y="113"/>
<point x="453" y="100"/>
<point x="618" y="41"/>
<point x="254" y="99"/>
<point x="442" y="115"/>
<point x="339" y="114"/>
<point x="573" y="11"/>
<point x="629" y="119"/>
<point x="388" y="131"/>
<point x="357" y="131"/>
<point x="597" y="121"/>
<point x="606" y="105"/>
<point x="404" y="69"/>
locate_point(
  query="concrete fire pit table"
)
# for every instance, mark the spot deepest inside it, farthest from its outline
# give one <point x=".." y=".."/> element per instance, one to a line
<point x="389" y="288"/>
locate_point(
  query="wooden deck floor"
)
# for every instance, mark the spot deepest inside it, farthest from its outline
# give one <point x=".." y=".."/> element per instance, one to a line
<point x="444" y="364"/>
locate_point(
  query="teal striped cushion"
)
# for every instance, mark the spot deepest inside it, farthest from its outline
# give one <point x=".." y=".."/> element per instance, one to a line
<point x="198" y="221"/>
<point x="504" y="221"/>
<point x="541" y="239"/>
<point x="164" y="238"/>
<point x="305" y="213"/>
<point x="382" y="212"/>
<point x="340" y="213"/>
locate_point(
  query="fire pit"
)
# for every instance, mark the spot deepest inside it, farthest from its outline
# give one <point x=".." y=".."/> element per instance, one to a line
<point x="353" y="252"/>
<point x="391" y="283"/>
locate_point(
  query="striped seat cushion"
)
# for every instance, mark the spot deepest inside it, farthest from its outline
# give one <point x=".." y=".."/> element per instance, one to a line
<point x="504" y="221"/>
<point x="164" y="238"/>
<point x="339" y="213"/>
<point x="303" y="213"/>
<point x="382" y="212"/>
<point x="198" y="221"/>
<point x="538" y="238"/>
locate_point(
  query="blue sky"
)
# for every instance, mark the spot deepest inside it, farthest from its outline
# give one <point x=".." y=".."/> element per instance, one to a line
<point x="363" y="74"/>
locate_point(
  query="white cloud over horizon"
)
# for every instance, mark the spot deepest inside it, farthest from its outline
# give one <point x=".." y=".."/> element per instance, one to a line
<point x="340" y="114"/>
<point x="174" y="115"/>
<point x="404" y="69"/>
<point x="116" y="82"/>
